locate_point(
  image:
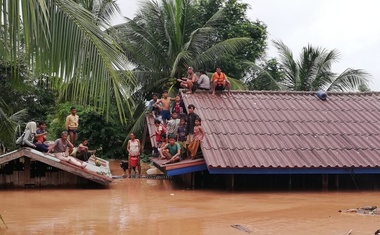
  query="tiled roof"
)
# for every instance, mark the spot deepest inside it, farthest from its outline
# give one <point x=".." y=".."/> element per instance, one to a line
<point x="289" y="129"/>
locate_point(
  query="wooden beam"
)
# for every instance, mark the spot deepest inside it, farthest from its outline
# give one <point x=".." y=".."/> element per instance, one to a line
<point x="11" y="156"/>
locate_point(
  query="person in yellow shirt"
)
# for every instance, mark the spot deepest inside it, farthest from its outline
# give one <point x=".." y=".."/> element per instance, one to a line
<point x="220" y="82"/>
<point x="72" y="122"/>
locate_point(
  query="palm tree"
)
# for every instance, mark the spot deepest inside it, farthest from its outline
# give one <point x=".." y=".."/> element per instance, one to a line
<point x="63" y="42"/>
<point x="164" y="38"/>
<point x="9" y="122"/>
<point x="313" y="71"/>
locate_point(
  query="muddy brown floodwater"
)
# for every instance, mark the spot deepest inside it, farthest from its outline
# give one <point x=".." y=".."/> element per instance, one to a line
<point x="150" y="206"/>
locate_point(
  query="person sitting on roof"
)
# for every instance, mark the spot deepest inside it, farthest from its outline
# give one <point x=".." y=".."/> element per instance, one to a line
<point x="83" y="153"/>
<point x="173" y="153"/>
<point x="60" y="149"/>
<point x="220" y="82"/>
<point x="26" y="139"/>
<point x="197" y="138"/>
<point x="190" y="82"/>
<point x="40" y="137"/>
<point x="203" y="81"/>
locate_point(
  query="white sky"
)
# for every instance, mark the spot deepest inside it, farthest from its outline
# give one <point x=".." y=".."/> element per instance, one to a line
<point x="349" y="26"/>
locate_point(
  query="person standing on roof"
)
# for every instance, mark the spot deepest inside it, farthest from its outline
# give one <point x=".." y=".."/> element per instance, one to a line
<point x="72" y="122"/>
<point x="203" y="81"/>
<point x="179" y="106"/>
<point x="190" y="123"/>
<point x="197" y="138"/>
<point x="165" y="102"/>
<point x="220" y="82"/>
<point x="172" y="126"/>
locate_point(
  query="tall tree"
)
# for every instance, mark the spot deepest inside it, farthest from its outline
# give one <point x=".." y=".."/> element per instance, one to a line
<point x="234" y="22"/>
<point x="312" y="71"/>
<point x="63" y="42"/>
<point x="165" y="37"/>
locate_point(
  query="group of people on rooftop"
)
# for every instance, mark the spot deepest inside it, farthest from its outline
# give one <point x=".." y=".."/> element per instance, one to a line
<point x="62" y="148"/>
<point x="192" y="82"/>
<point x="178" y="131"/>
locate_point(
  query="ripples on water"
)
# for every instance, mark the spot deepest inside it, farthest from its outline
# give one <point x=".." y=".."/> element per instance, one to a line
<point x="149" y="206"/>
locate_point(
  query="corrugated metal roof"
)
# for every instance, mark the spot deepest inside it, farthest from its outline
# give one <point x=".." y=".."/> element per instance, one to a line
<point x="268" y="129"/>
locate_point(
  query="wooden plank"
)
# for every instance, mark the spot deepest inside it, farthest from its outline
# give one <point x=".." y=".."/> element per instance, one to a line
<point x="26" y="170"/>
<point x="185" y="164"/>
<point x="11" y="156"/>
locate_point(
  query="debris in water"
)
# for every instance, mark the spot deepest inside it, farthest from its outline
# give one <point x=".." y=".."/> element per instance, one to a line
<point x="377" y="232"/>
<point x="172" y="194"/>
<point x="365" y="210"/>
<point x="241" y="228"/>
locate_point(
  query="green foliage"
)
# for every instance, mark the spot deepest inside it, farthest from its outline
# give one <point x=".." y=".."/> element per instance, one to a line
<point x="100" y="133"/>
<point x="66" y="43"/>
<point x="266" y="76"/>
<point x="312" y="71"/>
<point x="234" y="23"/>
<point x="163" y="39"/>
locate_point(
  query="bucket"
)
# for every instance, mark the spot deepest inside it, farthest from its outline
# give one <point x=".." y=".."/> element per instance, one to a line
<point x="133" y="161"/>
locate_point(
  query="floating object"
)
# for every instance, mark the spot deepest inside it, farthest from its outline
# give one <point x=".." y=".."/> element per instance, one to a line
<point x="153" y="171"/>
<point x="241" y="228"/>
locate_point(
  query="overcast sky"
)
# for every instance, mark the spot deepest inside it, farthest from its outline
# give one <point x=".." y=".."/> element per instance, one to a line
<point x="350" y="26"/>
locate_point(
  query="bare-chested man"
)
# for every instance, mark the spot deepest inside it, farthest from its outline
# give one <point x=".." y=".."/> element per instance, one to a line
<point x="190" y="82"/>
<point x="165" y="102"/>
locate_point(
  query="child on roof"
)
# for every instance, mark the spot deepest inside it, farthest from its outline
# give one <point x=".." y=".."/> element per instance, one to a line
<point x="179" y="106"/>
<point x="171" y="151"/>
<point x="197" y="138"/>
<point x="172" y="126"/>
<point x="160" y="131"/>
<point x="181" y="135"/>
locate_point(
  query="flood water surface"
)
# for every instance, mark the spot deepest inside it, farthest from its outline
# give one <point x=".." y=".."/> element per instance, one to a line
<point x="150" y="206"/>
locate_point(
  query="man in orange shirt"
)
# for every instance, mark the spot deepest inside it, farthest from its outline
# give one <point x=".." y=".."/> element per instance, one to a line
<point x="220" y="82"/>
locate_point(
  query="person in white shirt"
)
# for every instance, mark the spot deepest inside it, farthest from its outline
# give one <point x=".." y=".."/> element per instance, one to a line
<point x="134" y="150"/>
<point x="203" y="81"/>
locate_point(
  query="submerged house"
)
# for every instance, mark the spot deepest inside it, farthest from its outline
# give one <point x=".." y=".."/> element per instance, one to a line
<point x="27" y="167"/>
<point x="270" y="133"/>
